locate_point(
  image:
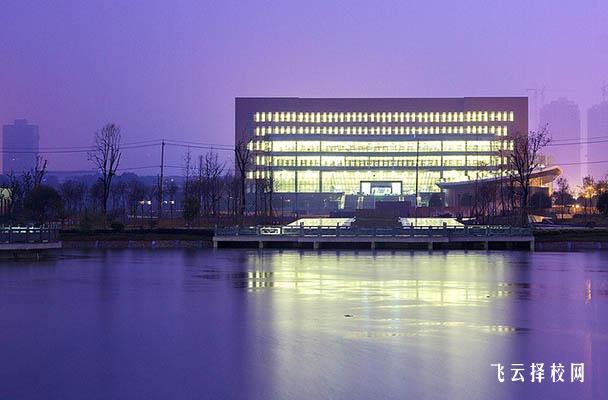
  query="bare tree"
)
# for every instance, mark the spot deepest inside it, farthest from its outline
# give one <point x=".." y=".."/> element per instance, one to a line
<point x="172" y="189"/>
<point x="136" y="196"/>
<point x="588" y="191"/>
<point x="73" y="194"/>
<point x="231" y="189"/>
<point x="39" y="171"/>
<point x="118" y="192"/>
<point x="562" y="195"/>
<point x="201" y="185"/>
<point x="267" y="191"/>
<point x="213" y="171"/>
<point x="188" y="175"/>
<point x="242" y="157"/>
<point x="106" y="157"/>
<point x="17" y="194"/>
<point x="524" y="160"/>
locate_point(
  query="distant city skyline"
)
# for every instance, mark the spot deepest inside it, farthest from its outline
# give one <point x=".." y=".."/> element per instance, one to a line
<point x="597" y="130"/>
<point x="174" y="71"/>
<point x="563" y="120"/>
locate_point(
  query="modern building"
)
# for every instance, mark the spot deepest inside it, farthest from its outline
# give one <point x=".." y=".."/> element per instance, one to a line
<point x="19" y="146"/>
<point x="324" y="154"/>
<point x="562" y="117"/>
<point x="597" y="133"/>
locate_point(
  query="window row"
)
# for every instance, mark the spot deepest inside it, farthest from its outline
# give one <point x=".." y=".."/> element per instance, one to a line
<point x="293" y="146"/>
<point x="323" y="117"/>
<point x="379" y="130"/>
<point x="350" y="182"/>
<point x="336" y="161"/>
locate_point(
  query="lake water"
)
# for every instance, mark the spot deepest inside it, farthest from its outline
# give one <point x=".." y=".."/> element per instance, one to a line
<point x="241" y="324"/>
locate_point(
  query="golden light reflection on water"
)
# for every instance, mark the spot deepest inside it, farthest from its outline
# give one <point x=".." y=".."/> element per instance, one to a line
<point x="381" y="298"/>
<point x="420" y="292"/>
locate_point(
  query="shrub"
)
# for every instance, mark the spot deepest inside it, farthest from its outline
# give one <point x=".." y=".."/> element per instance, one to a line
<point x="117" y="226"/>
<point x="539" y="201"/>
<point x="602" y="203"/>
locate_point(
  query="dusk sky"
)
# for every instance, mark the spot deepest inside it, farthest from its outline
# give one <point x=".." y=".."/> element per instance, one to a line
<point x="172" y="69"/>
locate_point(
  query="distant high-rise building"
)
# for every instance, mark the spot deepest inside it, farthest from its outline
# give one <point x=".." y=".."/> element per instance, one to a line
<point x="20" y="146"/>
<point x="564" y="122"/>
<point x="597" y="129"/>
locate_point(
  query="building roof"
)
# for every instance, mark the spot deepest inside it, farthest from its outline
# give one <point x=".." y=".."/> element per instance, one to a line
<point x="547" y="175"/>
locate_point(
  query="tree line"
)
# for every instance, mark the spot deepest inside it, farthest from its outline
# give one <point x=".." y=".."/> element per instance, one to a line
<point x="211" y="188"/>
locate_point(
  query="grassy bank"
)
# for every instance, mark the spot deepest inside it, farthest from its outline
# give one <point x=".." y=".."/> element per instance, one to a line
<point x="137" y="235"/>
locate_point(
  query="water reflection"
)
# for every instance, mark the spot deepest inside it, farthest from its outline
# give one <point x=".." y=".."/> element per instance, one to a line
<point x="299" y="325"/>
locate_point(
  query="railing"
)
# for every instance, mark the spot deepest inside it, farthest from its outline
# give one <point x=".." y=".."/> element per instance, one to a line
<point x="347" y="231"/>
<point x="29" y="234"/>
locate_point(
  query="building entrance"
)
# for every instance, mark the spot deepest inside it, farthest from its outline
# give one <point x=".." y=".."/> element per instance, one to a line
<point x="380" y="188"/>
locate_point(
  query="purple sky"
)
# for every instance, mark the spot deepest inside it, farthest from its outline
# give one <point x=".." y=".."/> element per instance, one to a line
<point x="172" y="69"/>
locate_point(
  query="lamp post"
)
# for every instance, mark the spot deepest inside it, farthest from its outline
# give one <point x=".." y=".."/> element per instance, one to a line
<point x="170" y="203"/>
<point x="149" y="203"/>
<point x="142" y="202"/>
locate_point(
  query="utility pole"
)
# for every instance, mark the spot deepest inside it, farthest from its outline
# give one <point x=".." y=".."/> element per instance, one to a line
<point x="161" y="183"/>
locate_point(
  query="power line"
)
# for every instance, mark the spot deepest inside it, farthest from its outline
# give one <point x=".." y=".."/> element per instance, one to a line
<point x="44" y="149"/>
<point x="200" y="147"/>
<point x="198" y="143"/>
<point x="577" y="140"/>
<point x="577" y="143"/>
<point x="59" y="151"/>
<point x="576" y="163"/>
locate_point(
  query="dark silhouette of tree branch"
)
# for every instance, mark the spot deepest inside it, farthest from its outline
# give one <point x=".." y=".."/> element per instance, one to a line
<point x="106" y="157"/>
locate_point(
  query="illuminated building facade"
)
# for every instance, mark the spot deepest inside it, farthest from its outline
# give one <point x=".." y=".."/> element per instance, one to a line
<point x="344" y="151"/>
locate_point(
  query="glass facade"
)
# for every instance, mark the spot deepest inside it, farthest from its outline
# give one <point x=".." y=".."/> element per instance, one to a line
<point x="398" y="152"/>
